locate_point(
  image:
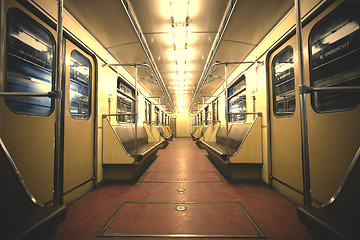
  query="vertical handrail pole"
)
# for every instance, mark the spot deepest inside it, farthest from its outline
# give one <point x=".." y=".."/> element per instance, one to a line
<point x="303" y="112"/>
<point x="2" y="51"/>
<point x="203" y="118"/>
<point x="58" y="162"/>
<point x="254" y="99"/>
<point x="227" y="114"/>
<point x="136" y="111"/>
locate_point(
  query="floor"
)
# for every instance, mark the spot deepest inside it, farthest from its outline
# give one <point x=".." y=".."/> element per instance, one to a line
<point x="182" y="195"/>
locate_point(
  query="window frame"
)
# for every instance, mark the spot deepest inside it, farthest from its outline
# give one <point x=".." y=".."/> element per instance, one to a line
<point x="206" y="115"/>
<point x="131" y="97"/>
<point x="319" y="24"/>
<point x="147" y="111"/>
<point x="235" y="94"/>
<point x="45" y="30"/>
<point x="89" y="88"/>
<point x="215" y="113"/>
<point x="157" y="116"/>
<point x="274" y="108"/>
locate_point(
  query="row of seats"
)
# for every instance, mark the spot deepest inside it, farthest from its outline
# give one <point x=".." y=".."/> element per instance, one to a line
<point x="165" y="133"/>
<point x="236" y="136"/>
<point x="144" y="150"/>
<point x="198" y="135"/>
<point x="236" y="152"/>
<point x="122" y="160"/>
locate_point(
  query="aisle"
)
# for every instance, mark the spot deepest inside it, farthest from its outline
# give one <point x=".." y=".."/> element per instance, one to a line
<point x="182" y="195"/>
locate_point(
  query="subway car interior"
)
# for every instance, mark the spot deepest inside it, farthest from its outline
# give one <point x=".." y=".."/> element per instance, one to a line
<point x="163" y="119"/>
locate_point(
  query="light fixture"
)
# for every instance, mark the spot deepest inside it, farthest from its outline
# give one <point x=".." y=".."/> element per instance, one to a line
<point x="179" y="24"/>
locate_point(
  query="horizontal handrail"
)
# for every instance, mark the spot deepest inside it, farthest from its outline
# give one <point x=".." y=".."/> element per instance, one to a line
<point x="308" y="89"/>
<point x="53" y="94"/>
<point x="245" y="113"/>
<point x="214" y="121"/>
<point x="116" y="114"/>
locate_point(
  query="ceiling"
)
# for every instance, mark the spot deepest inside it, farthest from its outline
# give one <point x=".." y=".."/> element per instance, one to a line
<point x="108" y="21"/>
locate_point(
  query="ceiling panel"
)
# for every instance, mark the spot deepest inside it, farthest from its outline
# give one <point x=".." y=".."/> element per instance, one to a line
<point x="106" y="22"/>
<point x="155" y="23"/>
<point x="252" y="20"/>
<point x="129" y="53"/>
<point x="155" y="16"/>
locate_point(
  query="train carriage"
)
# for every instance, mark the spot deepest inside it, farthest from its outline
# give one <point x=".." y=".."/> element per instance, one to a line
<point x="248" y="109"/>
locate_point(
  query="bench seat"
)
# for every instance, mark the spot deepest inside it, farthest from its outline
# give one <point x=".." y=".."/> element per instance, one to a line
<point x="145" y="149"/>
<point x="237" y="134"/>
<point x="217" y="153"/>
<point x="219" y="149"/>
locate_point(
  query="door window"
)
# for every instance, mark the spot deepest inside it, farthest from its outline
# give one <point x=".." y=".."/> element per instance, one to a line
<point x="283" y="83"/>
<point x="29" y="63"/>
<point x="334" y="46"/>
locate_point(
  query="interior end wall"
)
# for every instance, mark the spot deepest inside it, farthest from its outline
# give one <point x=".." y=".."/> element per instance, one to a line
<point x="183" y="122"/>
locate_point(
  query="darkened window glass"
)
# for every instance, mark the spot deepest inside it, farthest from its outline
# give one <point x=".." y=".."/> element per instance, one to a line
<point x="147" y="111"/>
<point x="157" y="119"/>
<point x="283" y="83"/>
<point x="207" y="115"/>
<point x="125" y="102"/>
<point x="215" y="107"/>
<point x="237" y="100"/>
<point x="80" y="86"/>
<point x="29" y="63"/>
<point x="335" y="56"/>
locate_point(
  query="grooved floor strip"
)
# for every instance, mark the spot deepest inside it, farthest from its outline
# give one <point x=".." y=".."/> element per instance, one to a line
<point x="187" y="177"/>
<point x="190" y="219"/>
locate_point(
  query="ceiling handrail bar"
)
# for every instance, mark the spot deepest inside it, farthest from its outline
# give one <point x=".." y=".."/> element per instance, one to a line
<point x="214" y="48"/>
<point x="143" y="43"/>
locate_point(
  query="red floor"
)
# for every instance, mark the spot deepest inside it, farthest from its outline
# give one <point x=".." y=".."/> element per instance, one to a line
<point x="182" y="176"/>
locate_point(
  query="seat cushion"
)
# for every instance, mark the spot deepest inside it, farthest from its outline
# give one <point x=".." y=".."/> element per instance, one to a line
<point x="219" y="149"/>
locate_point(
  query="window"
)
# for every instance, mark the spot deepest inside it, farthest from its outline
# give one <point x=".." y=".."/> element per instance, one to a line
<point x="283" y="83"/>
<point x="162" y="118"/>
<point x="147" y="111"/>
<point x="80" y="86"/>
<point x="215" y="107"/>
<point x="334" y="50"/>
<point x="167" y="122"/>
<point x="157" y="119"/>
<point x="237" y="100"/>
<point x="29" y="63"/>
<point x="207" y="115"/>
<point x="125" y="102"/>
